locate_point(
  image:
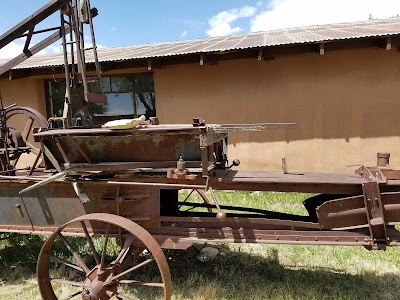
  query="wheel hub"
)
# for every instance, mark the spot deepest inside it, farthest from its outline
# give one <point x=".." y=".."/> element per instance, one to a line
<point x="94" y="287"/>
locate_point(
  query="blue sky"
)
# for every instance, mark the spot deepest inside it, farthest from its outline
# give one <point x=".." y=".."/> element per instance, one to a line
<point x="130" y="22"/>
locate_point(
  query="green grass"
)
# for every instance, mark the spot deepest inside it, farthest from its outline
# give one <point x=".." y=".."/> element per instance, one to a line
<point x="243" y="271"/>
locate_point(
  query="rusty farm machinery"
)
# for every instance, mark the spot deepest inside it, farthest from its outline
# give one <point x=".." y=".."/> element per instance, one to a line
<point x="121" y="186"/>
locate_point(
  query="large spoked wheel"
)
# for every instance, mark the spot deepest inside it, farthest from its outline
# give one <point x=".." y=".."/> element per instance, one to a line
<point x="121" y="262"/>
<point x="27" y="118"/>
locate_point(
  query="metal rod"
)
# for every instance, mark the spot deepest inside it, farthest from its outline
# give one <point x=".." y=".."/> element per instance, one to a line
<point x="165" y="185"/>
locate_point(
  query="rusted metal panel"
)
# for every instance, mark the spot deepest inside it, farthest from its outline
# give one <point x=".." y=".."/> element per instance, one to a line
<point x="55" y="204"/>
<point x="299" y="237"/>
<point x="127" y="148"/>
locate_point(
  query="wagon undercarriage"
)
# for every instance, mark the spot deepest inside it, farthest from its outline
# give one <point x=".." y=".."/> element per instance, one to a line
<point x="118" y="189"/>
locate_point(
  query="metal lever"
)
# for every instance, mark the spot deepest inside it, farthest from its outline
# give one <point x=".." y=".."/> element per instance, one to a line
<point x="235" y="163"/>
<point x="220" y="214"/>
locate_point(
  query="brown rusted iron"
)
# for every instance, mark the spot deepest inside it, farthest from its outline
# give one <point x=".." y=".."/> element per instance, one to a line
<point x="102" y="279"/>
<point x="362" y="213"/>
<point x="180" y="172"/>
<point x="121" y="183"/>
<point x="154" y="121"/>
<point x="383" y="160"/>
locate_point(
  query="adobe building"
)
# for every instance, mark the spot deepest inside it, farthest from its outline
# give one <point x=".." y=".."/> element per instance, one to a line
<point x="340" y="83"/>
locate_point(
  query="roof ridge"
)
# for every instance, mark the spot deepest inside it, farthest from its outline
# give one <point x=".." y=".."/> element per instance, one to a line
<point x="275" y="37"/>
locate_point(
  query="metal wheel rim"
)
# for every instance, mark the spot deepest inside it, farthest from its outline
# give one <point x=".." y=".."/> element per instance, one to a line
<point x="136" y="230"/>
<point x="32" y="114"/>
<point x="18" y="110"/>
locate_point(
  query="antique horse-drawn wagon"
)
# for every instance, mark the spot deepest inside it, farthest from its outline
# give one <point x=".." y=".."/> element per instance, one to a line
<point x="120" y="186"/>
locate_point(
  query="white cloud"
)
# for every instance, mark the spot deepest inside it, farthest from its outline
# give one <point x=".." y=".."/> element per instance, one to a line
<point x="11" y="50"/>
<point x="15" y="48"/>
<point x="54" y="48"/>
<point x="221" y="24"/>
<point x="184" y="34"/>
<point x="294" y="13"/>
<point x="112" y="29"/>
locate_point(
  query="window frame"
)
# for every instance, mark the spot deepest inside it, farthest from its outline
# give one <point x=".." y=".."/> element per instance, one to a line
<point x="136" y="89"/>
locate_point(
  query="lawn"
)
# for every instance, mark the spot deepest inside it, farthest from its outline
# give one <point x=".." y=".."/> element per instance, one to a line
<point x="244" y="271"/>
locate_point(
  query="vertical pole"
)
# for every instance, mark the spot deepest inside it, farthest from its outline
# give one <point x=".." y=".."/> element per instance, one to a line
<point x="67" y="101"/>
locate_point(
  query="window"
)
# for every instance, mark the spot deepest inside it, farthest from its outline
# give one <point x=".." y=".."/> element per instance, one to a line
<point x="127" y="95"/>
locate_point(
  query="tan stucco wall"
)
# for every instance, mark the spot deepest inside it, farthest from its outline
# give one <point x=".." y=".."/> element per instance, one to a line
<point x="24" y="92"/>
<point x="345" y="103"/>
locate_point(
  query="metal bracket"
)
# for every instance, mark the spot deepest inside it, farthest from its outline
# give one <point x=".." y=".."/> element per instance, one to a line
<point x="80" y="192"/>
<point x="375" y="214"/>
<point x="371" y="174"/>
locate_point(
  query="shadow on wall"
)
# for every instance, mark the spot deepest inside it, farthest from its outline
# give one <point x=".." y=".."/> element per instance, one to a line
<point x="342" y="119"/>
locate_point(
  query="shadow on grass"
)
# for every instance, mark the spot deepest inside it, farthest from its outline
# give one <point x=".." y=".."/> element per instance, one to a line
<point x="18" y="257"/>
<point x="231" y="275"/>
<point x="237" y="275"/>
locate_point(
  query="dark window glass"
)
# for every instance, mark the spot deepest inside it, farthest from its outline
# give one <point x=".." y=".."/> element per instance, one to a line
<point x="145" y="104"/>
<point x="105" y="83"/>
<point x="131" y="95"/>
<point x="57" y="88"/>
<point x="121" y="84"/>
<point x="120" y="104"/>
<point x="144" y="83"/>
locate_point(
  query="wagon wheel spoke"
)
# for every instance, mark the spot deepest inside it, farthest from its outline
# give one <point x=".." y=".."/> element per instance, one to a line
<point x="34" y="119"/>
<point x="103" y="255"/>
<point x="34" y="149"/>
<point x="27" y="128"/>
<point x="130" y="270"/>
<point x="90" y="242"/>
<point x="124" y="251"/>
<point x="67" y="282"/>
<point x="67" y="263"/>
<point x="142" y="283"/>
<point x="78" y="258"/>
<point x="73" y="295"/>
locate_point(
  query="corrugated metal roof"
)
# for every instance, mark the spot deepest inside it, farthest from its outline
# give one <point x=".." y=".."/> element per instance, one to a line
<point x="298" y="35"/>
